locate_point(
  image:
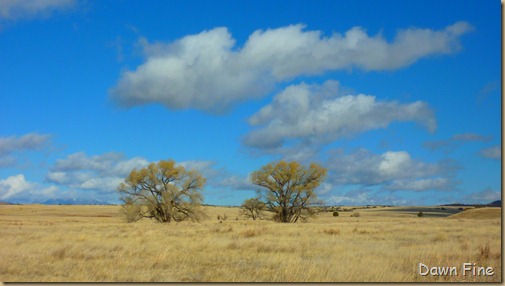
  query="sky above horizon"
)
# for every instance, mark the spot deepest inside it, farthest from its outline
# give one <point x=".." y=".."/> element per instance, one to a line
<point x="399" y="100"/>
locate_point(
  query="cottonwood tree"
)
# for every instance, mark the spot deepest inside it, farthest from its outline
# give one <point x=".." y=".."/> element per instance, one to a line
<point x="162" y="191"/>
<point x="288" y="188"/>
<point x="253" y="208"/>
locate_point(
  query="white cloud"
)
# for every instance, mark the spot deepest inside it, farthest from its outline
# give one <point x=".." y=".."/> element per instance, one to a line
<point x="16" y="189"/>
<point x="14" y="185"/>
<point x="14" y="9"/>
<point x="208" y="72"/>
<point x="393" y="170"/>
<point x="318" y="114"/>
<point x="99" y="172"/>
<point x="105" y="172"/>
<point x="491" y="152"/>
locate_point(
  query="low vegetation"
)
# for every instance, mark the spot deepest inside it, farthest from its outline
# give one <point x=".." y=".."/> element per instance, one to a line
<point x="94" y="244"/>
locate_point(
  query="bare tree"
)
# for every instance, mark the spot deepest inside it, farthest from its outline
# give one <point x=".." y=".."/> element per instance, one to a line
<point x="162" y="191"/>
<point x="253" y="208"/>
<point x="288" y="188"/>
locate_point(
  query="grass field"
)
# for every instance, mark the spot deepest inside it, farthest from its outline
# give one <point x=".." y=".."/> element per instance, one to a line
<point x="93" y="244"/>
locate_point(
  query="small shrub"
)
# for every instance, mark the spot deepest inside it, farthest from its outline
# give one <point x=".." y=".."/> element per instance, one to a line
<point x="356" y="214"/>
<point x="420" y="214"/>
<point x="335" y="213"/>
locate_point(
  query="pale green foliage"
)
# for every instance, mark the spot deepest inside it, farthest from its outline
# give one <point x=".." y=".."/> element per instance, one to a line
<point x="253" y="208"/>
<point x="288" y="188"/>
<point x="162" y="191"/>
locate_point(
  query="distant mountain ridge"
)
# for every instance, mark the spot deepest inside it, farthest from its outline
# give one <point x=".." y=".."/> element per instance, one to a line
<point x="74" y="202"/>
<point x="492" y="204"/>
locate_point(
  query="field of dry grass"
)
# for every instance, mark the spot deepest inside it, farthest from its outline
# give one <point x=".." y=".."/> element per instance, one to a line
<point x="94" y="244"/>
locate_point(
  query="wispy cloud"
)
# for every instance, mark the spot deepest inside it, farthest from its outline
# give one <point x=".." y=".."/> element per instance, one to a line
<point x="318" y="114"/>
<point x="208" y="72"/>
<point x="491" y="152"/>
<point x="449" y="145"/>
<point x="16" y="9"/>
<point x="14" y="144"/>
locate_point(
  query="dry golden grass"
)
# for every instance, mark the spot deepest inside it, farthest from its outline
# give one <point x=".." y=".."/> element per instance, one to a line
<point x="479" y="213"/>
<point x="94" y="244"/>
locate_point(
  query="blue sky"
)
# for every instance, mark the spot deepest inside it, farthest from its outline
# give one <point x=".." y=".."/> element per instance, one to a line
<point x="399" y="100"/>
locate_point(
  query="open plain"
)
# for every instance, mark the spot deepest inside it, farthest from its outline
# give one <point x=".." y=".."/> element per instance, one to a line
<point x="94" y="244"/>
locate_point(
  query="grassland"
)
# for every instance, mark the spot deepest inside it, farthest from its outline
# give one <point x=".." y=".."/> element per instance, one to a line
<point x="94" y="244"/>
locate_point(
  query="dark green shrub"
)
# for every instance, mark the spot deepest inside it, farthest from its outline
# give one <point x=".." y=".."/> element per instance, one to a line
<point x="335" y="213"/>
<point x="420" y="214"/>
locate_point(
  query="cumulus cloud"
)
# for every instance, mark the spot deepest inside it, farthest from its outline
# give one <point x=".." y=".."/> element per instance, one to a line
<point x="99" y="172"/>
<point x="318" y="114"/>
<point x="14" y="185"/>
<point x="105" y="172"/>
<point x="12" y="144"/>
<point x="14" y="9"/>
<point x="491" y="152"/>
<point x="392" y="170"/>
<point x="18" y="189"/>
<point x="208" y="72"/>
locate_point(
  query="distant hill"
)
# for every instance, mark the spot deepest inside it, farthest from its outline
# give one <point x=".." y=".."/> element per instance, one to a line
<point x="74" y="202"/>
<point x="495" y="203"/>
<point x="492" y="204"/>
<point x="479" y="213"/>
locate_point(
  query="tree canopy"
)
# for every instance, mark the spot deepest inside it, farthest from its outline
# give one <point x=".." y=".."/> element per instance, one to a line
<point x="162" y="191"/>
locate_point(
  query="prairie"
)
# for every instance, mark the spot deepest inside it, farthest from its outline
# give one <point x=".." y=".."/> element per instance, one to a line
<point x="94" y="244"/>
